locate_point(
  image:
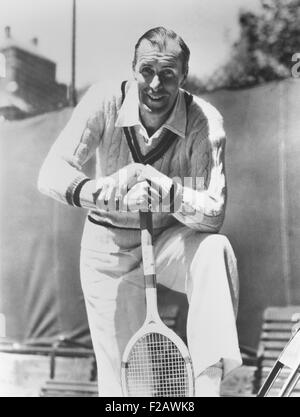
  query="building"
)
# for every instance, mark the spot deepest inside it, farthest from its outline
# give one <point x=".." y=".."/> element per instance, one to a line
<point x="28" y="80"/>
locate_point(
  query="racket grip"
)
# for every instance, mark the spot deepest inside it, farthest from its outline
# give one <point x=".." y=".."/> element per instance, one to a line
<point x="146" y="221"/>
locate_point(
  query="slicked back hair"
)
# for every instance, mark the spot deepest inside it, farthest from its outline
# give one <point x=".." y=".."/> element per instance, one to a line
<point x="158" y="37"/>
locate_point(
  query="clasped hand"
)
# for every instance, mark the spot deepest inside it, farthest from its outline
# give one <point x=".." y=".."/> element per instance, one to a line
<point x="133" y="188"/>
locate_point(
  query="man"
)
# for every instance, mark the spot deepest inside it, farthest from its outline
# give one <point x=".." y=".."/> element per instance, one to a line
<point x="150" y="137"/>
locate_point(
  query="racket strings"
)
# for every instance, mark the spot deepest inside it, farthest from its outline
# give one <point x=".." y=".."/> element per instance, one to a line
<point x="156" y="368"/>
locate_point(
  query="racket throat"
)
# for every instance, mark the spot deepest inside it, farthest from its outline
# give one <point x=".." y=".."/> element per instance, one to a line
<point x="151" y="304"/>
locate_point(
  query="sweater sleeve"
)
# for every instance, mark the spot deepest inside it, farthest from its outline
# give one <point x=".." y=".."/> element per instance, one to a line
<point x="202" y="203"/>
<point x="61" y="176"/>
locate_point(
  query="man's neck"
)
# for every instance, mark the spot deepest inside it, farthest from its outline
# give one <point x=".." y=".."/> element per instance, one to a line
<point x="152" y="122"/>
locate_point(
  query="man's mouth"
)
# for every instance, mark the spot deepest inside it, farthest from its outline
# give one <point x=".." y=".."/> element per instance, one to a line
<point x="156" y="97"/>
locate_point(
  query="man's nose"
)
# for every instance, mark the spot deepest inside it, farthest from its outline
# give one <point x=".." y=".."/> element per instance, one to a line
<point x="155" y="83"/>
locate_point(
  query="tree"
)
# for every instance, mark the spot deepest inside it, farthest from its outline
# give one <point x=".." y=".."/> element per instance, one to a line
<point x="267" y="43"/>
<point x="264" y="51"/>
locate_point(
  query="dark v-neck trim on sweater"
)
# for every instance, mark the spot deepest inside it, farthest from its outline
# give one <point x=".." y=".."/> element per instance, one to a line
<point x="168" y="137"/>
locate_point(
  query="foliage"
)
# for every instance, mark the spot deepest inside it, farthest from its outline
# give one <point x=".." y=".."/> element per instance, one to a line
<point x="265" y="48"/>
<point x="267" y="43"/>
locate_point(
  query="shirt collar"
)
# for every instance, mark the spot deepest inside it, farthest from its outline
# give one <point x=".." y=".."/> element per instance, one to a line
<point x="129" y="112"/>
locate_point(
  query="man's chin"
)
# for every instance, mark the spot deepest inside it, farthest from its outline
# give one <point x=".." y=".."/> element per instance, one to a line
<point x="157" y="108"/>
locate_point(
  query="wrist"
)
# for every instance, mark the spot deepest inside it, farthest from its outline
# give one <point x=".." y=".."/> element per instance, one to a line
<point x="189" y="200"/>
<point x="86" y="194"/>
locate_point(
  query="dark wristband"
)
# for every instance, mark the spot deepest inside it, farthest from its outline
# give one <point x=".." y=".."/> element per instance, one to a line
<point x="76" y="195"/>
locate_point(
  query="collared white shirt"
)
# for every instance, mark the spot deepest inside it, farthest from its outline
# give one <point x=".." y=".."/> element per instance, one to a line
<point x="129" y="116"/>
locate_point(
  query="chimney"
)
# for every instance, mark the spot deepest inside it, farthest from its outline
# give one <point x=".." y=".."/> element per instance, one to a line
<point x="35" y="41"/>
<point x="7" y="32"/>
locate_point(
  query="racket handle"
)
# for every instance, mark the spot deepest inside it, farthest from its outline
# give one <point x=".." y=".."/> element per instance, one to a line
<point x="147" y="249"/>
<point x="146" y="223"/>
<point x="149" y="266"/>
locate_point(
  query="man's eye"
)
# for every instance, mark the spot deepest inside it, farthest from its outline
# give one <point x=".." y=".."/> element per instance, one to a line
<point x="147" y="71"/>
<point x="167" y="73"/>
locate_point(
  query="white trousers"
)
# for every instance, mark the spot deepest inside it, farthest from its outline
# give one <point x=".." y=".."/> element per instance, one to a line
<point x="201" y="265"/>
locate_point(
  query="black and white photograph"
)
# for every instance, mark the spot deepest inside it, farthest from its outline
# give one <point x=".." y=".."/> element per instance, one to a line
<point x="150" y="204"/>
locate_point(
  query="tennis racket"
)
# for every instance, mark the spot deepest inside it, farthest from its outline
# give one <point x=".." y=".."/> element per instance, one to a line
<point x="156" y="362"/>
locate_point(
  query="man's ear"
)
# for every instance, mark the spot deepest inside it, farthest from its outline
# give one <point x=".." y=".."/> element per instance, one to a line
<point x="186" y="71"/>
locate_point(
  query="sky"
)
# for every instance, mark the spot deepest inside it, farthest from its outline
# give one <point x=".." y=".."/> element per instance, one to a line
<point x="107" y="31"/>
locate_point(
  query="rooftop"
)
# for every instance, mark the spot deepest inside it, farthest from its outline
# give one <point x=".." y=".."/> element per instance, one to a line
<point x="31" y="47"/>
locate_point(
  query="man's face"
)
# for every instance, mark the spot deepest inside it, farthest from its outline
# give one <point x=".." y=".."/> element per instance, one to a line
<point x="159" y="74"/>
